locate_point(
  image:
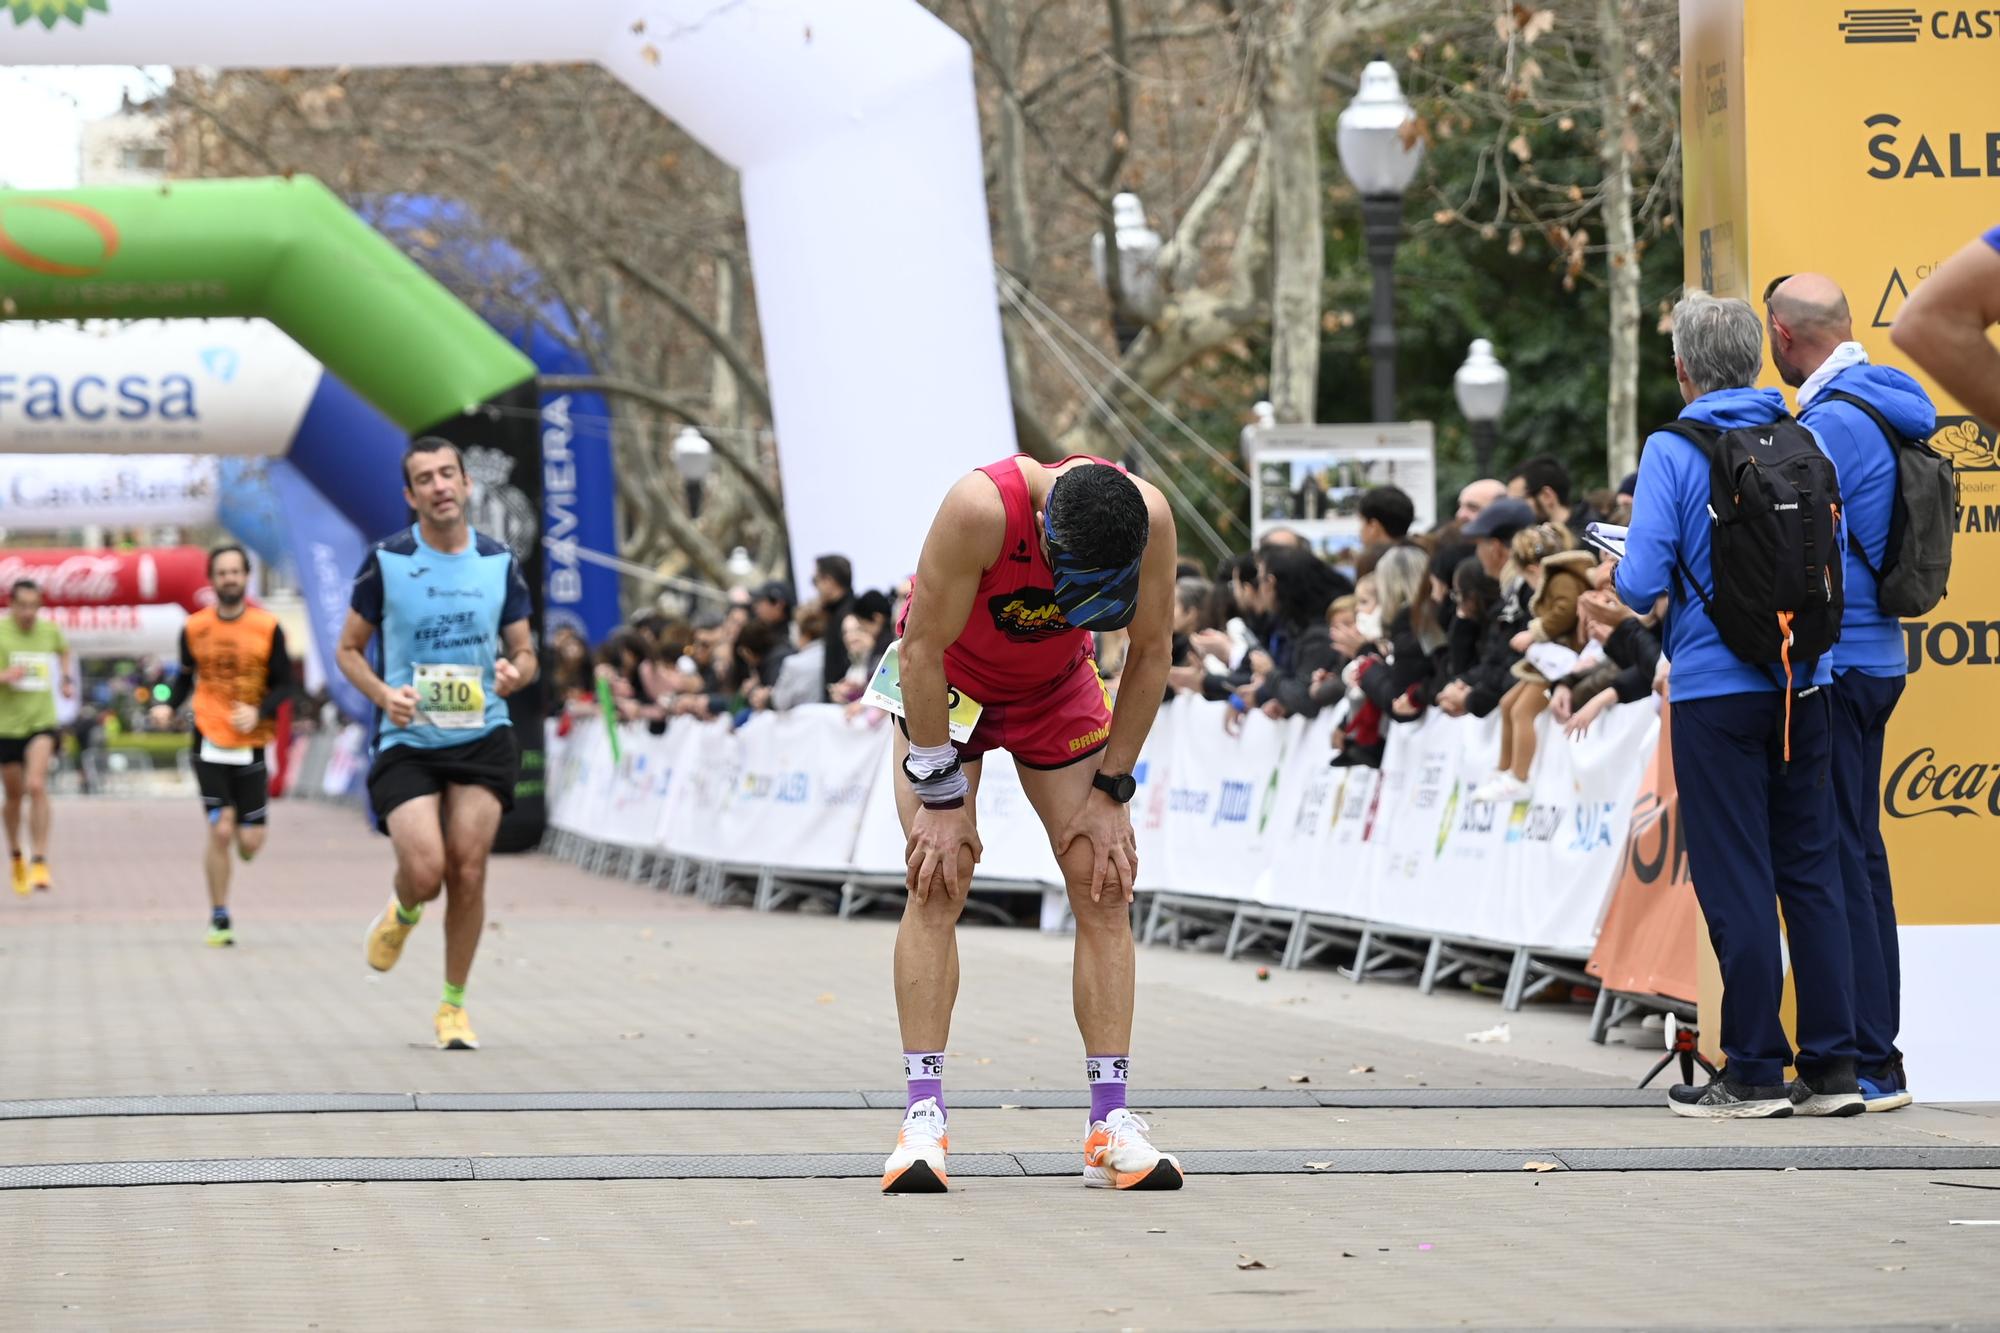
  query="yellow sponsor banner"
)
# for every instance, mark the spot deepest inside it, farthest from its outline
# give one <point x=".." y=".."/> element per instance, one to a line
<point x="1863" y="142"/>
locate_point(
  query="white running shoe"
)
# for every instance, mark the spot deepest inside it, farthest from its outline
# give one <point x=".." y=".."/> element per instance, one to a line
<point x="1503" y="789"/>
<point x="1118" y="1156"/>
<point x="917" y="1165"/>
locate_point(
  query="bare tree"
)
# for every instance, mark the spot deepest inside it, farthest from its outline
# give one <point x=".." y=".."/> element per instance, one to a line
<point x="1599" y="73"/>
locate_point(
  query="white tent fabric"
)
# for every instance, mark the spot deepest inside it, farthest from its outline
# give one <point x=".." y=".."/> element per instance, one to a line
<point x="854" y="125"/>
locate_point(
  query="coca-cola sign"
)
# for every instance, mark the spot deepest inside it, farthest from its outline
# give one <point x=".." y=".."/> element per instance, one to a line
<point x="168" y="574"/>
<point x="1924" y="784"/>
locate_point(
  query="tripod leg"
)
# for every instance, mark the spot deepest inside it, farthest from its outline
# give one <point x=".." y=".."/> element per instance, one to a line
<point x="1654" y="1072"/>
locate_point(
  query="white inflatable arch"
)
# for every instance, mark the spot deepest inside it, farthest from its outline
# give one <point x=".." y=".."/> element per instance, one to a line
<point x="855" y="130"/>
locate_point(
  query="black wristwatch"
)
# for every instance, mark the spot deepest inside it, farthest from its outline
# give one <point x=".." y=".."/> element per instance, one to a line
<point x="1120" y="787"/>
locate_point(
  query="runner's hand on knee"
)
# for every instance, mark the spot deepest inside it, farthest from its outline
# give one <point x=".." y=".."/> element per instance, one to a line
<point x="932" y="855"/>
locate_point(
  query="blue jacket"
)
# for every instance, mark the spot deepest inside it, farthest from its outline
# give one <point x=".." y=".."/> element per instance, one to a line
<point x="1669" y="519"/>
<point x="1870" y="642"/>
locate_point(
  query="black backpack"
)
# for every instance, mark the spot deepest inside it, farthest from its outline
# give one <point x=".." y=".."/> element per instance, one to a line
<point x="1774" y="500"/>
<point x="1916" y="560"/>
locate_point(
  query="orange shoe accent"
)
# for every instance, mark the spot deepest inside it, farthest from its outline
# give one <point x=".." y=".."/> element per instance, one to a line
<point x="38" y="875"/>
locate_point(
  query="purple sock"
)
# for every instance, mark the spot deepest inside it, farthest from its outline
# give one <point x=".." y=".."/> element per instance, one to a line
<point x="1107" y="1083"/>
<point x="924" y="1072"/>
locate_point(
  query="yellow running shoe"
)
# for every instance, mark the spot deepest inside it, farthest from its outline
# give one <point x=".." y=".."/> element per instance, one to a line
<point x="385" y="938"/>
<point x="21" y="884"/>
<point x="38" y="876"/>
<point x="454" y="1029"/>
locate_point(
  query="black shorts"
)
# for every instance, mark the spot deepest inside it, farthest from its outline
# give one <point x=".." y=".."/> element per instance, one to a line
<point x="14" y="749"/>
<point x="405" y="772"/>
<point x="244" y="788"/>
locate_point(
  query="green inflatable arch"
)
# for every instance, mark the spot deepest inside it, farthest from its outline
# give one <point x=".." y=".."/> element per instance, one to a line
<point x="289" y="251"/>
<point x="284" y="249"/>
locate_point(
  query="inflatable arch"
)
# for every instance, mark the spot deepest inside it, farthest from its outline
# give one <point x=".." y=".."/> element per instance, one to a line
<point x="289" y="251"/>
<point x="855" y="130"/>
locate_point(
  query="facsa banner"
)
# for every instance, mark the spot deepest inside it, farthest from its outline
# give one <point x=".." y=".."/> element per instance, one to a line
<point x="51" y="492"/>
<point x="149" y="576"/>
<point x="208" y="386"/>
<point x="1260" y="816"/>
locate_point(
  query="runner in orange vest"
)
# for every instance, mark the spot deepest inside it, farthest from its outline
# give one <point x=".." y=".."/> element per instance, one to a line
<point x="234" y="664"/>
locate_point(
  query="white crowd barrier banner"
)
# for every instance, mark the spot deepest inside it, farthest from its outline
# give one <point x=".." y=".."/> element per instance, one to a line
<point x="1256" y="816"/>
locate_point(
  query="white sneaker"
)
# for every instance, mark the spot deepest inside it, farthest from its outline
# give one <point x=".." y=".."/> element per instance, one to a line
<point x="1117" y="1155"/>
<point x="917" y="1165"/>
<point x="1503" y="789"/>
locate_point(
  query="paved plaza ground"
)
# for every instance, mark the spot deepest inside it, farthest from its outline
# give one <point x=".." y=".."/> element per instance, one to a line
<point x="1311" y="1202"/>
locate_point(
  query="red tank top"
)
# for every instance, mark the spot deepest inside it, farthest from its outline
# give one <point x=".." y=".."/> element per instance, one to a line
<point x="1015" y="643"/>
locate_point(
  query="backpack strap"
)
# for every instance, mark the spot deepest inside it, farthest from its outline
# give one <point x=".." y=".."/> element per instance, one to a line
<point x="1893" y="438"/>
<point x="1703" y="437"/>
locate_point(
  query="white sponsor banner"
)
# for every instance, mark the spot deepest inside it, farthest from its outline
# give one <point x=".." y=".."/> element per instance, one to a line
<point x="51" y="492"/>
<point x="1259" y="816"/>
<point x="1221" y="791"/>
<point x="120" y="631"/>
<point x="151" y="386"/>
<point x="804" y="780"/>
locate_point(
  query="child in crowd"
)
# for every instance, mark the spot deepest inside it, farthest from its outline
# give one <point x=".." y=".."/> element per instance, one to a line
<point x="1355" y="625"/>
<point x="1559" y="576"/>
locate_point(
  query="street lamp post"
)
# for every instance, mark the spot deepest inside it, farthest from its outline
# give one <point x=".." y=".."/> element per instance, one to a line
<point x="1481" y="388"/>
<point x="1381" y="159"/>
<point x="1138" y="269"/>
<point x="695" y="457"/>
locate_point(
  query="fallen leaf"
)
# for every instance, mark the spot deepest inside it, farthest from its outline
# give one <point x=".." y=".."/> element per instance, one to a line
<point x="650" y="54"/>
<point x="1347" y="1254"/>
<point x="1301" y="1078"/>
<point x="826" y="998"/>
<point x="1541" y="1166"/>
<point x="984" y="1060"/>
<point x="746" y="1222"/>
<point x="1246" y="1262"/>
<point x="1319" y="1166"/>
<point x="1892" y="1268"/>
<point x="639" y="27"/>
<point x="1362" y="1069"/>
<point x="1156" y="1231"/>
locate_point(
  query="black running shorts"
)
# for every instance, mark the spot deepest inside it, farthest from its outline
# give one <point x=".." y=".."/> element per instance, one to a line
<point x="14" y="749"/>
<point x="405" y="772"/>
<point x="244" y="788"/>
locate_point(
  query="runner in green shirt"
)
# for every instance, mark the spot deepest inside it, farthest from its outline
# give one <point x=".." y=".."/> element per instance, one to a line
<point x="34" y="664"/>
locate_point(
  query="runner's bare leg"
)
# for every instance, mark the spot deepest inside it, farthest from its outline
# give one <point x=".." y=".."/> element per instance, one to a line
<point x="41" y="757"/>
<point x="927" y="938"/>
<point x="471" y="819"/>
<point x="1104" y="973"/>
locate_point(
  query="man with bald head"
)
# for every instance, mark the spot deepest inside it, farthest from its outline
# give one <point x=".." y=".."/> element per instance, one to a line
<point x="1813" y="347"/>
<point x="1476" y="496"/>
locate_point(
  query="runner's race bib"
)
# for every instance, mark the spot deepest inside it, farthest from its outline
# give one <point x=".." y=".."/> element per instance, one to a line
<point x="232" y="755"/>
<point x="450" y="695"/>
<point x="38" y="671"/>
<point x="885" y="691"/>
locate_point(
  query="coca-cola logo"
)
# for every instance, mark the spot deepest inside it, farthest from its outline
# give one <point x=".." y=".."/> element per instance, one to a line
<point x="1920" y="786"/>
<point x="77" y="578"/>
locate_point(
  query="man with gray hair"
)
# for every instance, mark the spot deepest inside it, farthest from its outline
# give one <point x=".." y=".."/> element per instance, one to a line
<point x="1751" y="741"/>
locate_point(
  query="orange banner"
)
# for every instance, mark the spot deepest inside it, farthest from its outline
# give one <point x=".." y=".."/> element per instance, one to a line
<point x="1647" y="943"/>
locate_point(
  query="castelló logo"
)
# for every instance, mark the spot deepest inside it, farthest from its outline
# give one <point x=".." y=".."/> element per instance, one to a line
<point x="51" y="12"/>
